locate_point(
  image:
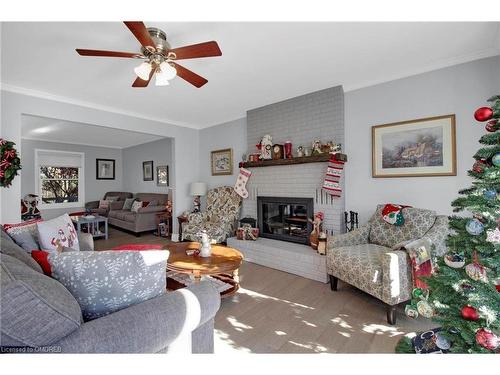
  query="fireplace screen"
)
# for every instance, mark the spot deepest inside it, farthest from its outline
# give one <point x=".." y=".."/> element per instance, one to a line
<point x="285" y="218"/>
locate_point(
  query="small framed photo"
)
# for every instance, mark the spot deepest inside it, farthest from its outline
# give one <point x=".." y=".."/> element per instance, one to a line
<point x="162" y="175"/>
<point x="105" y="169"/>
<point x="222" y="162"/>
<point x="416" y="148"/>
<point x="147" y="171"/>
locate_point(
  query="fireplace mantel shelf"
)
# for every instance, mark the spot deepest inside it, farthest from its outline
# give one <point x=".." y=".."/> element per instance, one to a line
<point x="302" y="160"/>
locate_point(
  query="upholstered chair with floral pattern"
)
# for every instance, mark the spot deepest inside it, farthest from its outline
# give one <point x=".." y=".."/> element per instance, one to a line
<point x="219" y="218"/>
<point x="374" y="257"/>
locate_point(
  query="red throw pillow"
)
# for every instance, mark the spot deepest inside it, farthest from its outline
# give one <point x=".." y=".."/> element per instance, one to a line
<point x="40" y="257"/>
<point x="145" y="204"/>
<point x="140" y="247"/>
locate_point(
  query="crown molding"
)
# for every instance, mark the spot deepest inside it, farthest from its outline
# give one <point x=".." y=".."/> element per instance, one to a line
<point x="64" y="99"/>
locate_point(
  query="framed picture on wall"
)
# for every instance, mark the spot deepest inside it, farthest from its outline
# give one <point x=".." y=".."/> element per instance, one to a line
<point x="162" y="175"/>
<point x="222" y="162"/>
<point x="105" y="169"/>
<point x="147" y="171"/>
<point x="416" y="148"/>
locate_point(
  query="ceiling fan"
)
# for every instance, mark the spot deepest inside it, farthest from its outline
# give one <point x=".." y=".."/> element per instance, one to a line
<point x="160" y="59"/>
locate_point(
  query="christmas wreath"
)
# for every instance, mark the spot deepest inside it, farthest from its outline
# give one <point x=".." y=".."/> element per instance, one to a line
<point x="9" y="162"/>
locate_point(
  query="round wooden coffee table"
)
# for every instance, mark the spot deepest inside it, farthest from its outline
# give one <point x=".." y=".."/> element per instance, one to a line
<point x="223" y="264"/>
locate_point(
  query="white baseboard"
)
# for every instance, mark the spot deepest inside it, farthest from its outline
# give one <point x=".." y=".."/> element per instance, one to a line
<point x="175" y="237"/>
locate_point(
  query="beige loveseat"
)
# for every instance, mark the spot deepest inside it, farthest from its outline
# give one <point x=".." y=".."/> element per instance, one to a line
<point x="143" y="221"/>
<point x="93" y="206"/>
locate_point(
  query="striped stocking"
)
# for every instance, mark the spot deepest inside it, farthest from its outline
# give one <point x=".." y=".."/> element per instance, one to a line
<point x="331" y="183"/>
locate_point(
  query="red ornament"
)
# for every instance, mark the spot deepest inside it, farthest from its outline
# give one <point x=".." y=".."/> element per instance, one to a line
<point x="491" y="126"/>
<point x="497" y="287"/>
<point x="479" y="166"/>
<point x="469" y="313"/>
<point x="483" y="114"/>
<point x="487" y="339"/>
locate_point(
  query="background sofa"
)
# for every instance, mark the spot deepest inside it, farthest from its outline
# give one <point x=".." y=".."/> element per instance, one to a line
<point x="37" y="311"/>
<point x="94" y="205"/>
<point x="142" y="221"/>
<point x="369" y="257"/>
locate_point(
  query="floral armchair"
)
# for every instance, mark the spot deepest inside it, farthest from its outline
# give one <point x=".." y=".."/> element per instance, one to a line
<point x="374" y="258"/>
<point x="219" y="218"/>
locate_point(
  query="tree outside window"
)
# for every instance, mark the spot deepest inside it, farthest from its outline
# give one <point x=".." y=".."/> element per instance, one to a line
<point x="59" y="184"/>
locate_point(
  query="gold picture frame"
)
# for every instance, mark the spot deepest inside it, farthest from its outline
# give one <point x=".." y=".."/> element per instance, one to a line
<point x="416" y="148"/>
<point x="222" y="162"/>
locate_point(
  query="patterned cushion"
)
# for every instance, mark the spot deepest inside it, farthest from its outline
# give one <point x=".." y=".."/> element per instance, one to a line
<point x="104" y="203"/>
<point x="106" y="281"/>
<point x="417" y="222"/>
<point x="359" y="265"/>
<point x="61" y="228"/>
<point x="127" y="206"/>
<point x="136" y="206"/>
<point x="25" y="234"/>
<point x="9" y="247"/>
<point x="112" y="198"/>
<point x="35" y="309"/>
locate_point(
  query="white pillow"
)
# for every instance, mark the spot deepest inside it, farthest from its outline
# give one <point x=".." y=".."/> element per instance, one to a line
<point x="135" y="206"/>
<point x="61" y="228"/>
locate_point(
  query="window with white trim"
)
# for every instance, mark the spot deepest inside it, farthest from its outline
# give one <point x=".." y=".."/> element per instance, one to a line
<point x="59" y="177"/>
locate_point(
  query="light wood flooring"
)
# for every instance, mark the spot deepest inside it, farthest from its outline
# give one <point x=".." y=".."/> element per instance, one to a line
<point x="277" y="312"/>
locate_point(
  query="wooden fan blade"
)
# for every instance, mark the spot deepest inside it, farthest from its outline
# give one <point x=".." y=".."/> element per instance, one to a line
<point x="207" y="49"/>
<point x="142" y="83"/>
<point x="189" y="76"/>
<point x="141" y="33"/>
<point x="100" y="53"/>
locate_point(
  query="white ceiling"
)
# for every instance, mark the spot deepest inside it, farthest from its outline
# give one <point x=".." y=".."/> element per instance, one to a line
<point x="52" y="130"/>
<point x="261" y="63"/>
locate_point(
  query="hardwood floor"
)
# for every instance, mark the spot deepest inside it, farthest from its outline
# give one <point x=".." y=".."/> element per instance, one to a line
<point x="277" y="312"/>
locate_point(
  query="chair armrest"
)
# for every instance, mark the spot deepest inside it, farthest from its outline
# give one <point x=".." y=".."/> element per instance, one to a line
<point x="147" y="327"/>
<point x="145" y="210"/>
<point x="86" y="241"/>
<point x="116" y="205"/>
<point x="396" y="277"/>
<point x="356" y="237"/>
<point x="438" y="235"/>
<point x="92" y="204"/>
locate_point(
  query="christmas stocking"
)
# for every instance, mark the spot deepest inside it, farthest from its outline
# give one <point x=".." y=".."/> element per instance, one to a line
<point x="333" y="174"/>
<point x="240" y="185"/>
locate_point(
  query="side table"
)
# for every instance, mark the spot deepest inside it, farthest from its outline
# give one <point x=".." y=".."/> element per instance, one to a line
<point x="181" y="219"/>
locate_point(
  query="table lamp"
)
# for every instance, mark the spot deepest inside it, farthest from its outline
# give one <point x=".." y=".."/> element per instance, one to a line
<point x="198" y="189"/>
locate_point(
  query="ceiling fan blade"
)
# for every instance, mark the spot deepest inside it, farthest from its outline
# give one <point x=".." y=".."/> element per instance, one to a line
<point x="207" y="49"/>
<point x="189" y="76"/>
<point x="100" y="53"/>
<point x="141" y="33"/>
<point x="142" y="83"/>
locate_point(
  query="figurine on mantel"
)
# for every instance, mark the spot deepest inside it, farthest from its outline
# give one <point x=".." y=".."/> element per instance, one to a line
<point x="266" y="145"/>
<point x="300" y="151"/>
<point x="316" y="147"/>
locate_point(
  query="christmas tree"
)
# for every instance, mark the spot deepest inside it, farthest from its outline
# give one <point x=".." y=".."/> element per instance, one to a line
<point x="464" y="289"/>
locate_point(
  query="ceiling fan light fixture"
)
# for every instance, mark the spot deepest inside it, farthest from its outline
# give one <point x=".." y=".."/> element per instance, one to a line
<point x="143" y="70"/>
<point x="160" y="80"/>
<point x="167" y="70"/>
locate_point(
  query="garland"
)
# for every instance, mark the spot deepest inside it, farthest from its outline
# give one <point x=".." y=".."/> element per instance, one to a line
<point x="9" y="162"/>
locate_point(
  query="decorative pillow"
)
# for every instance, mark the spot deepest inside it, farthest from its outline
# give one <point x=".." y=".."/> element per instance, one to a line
<point x="127" y="206"/>
<point x="154" y="202"/>
<point x="61" y="228"/>
<point x="112" y="198"/>
<point x="104" y="203"/>
<point x="107" y="281"/>
<point x="136" y="206"/>
<point x="145" y="203"/>
<point x="24" y="234"/>
<point x="41" y="258"/>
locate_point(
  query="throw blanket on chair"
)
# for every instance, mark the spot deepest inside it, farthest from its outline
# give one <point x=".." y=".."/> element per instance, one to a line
<point x="419" y="252"/>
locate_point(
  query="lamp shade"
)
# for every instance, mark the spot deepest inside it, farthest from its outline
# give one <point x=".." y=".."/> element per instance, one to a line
<point x="198" y="188"/>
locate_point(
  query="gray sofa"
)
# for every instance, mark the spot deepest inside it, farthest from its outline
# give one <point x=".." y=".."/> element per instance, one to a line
<point x="143" y="221"/>
<point x="38" y="314"/>
<point x="93" y="206"/>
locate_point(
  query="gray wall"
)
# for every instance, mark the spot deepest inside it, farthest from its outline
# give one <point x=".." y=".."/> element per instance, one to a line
<point x="94" y="189"/>
<point x="227" y="135"/>
<point x="459" y="89"/>
<point x="160" y="152"/>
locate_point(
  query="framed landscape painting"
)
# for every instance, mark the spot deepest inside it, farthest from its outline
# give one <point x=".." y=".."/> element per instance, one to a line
<point x="222" y="162"/>
<point x="105" y="169"/>
<point x="422" y="147"/>
<point x="147" y="171"/>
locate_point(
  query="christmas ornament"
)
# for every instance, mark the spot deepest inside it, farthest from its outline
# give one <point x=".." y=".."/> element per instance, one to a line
<point x="417" y="293"/>
<point x="469" y="313"/>
<point x="10" y="163"/>
<point x="331" y="182"/>
<point x="492" y="126"/>
<point x="454" y="260"/>
<point x="496" y="159"/>
<point x="441" y="341"/>
<point x="487" y="339"/>
<point x="425" y="309"/>
<point x="411" y="311"/>
<point x="479" y="166"/>
<point x="497" y="287"/>
<point x="476" y="272"/>
<point x="490" y="194"/>
<point x="467" y="288"/>
<point x="474" y="227"/>
<point x="483" y="114"/>
<point x="493" y="236"/>
<point x="241" y="181"/>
